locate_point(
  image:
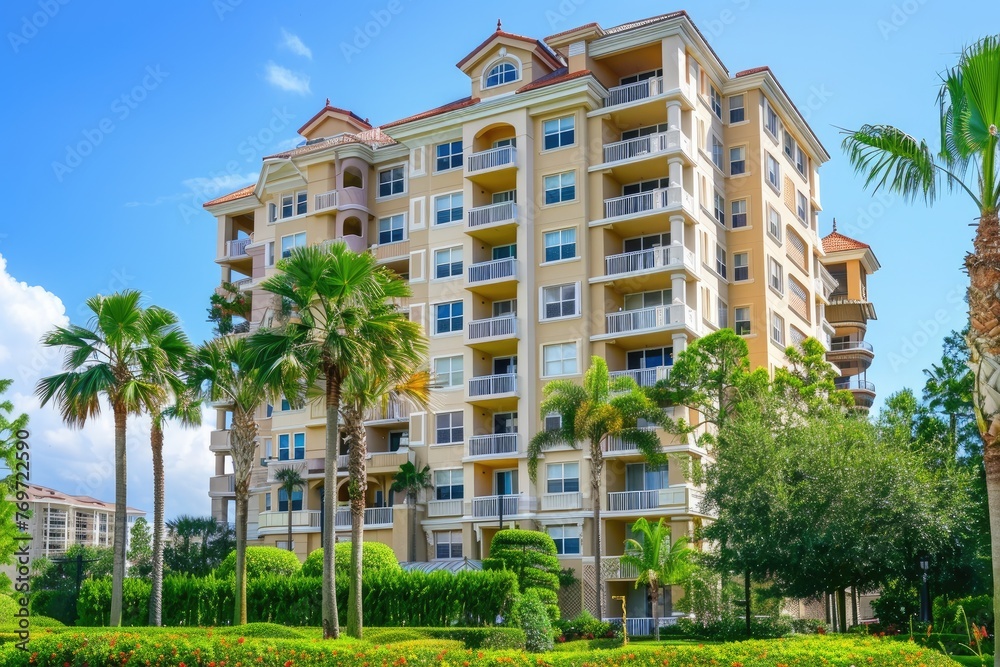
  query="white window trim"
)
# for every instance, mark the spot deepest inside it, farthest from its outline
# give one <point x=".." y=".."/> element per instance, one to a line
<point x="576" y="243"/>
<point x="406" y="181"/>
<point x="779" y="239"/>
<point x="436" y="171"/>
<point x="541" y="302"/>
<point x="576" y="189"/>
<point x="510" y="57"/>
<point x="576" y="135"/>
<point x="406" y="228"/>
<point x="434" y="252"/>
<point x="434" y="224"/>
<point x="433" y="427"/>
<point x="433" y="364"/>
<point x="432" y="319"/>
<point x="541" y="356"/>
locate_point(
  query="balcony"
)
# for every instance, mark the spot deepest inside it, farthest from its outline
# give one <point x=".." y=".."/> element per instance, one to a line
<point x="375" y="517"/>
<point x="308" y="468"/>
<point x="632" y="93"/>
<point x="384" y="462"/>
<point x="237" y="249"/>
<point x="644" y="322"/>
<point x="219" y="441"/>
<point x="494" y="277"/>
<point x="392" y="252"/>
<point x="851" y="355"/>
<point x="488" y="507"/>
<point x="491" y="160"/>
<point x="439" y="508"/>
<point x="326" y="201"/>
<point x="864" y="391"/>
<point x="644" y="377"/>
<point x="616" y="446"/>
<point x="395" y="411"/>
<point x="572" y="500"/>
<point x="222" y="486"/>
<point x="640" y="626"/>
<point x="648" y="269"/>
<point x="492" y="221"/>
<point x="674" y="499"/>
<point x="491" y="334"/>
<point x="258" y="480"/>
<point x="490" y="389"/>
<point x="627" y="159"/>
<point x="241" y="283"/>
<point x="494" y="444"/>
<point x="309" y="520"/>
<point x="673" y="199"/>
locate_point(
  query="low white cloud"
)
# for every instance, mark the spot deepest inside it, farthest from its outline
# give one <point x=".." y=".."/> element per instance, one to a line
<point x="202" y="188"/>
<point x="286" y="79"/>
<point x="294" y="43"/>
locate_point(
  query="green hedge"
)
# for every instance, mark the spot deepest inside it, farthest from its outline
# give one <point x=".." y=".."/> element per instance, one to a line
<point x="261" y="561"/>
<point x="374" y="556"/>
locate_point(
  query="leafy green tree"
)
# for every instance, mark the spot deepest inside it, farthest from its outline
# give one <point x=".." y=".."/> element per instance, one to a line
<point x="948" y="392"/>
<point x="604" y="407"/>
<point x="658" y="561"/>
<point x="289" y="481"/>
<point x="196" y="545"/>
<point x="531" y="555"/>
<point x="55" y="582"/>
<point x="113" y="359"/>
<point x="231" y="302"/>
<point x="140" y="550"/>
<point x="410" y="481"/>
<point x="262" y="562"/>
<point x="10" y="426"/>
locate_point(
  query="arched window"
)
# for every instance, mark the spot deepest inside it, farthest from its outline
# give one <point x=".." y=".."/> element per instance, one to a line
<point x="352" y="178"/>
<point x="502" y="73"/>
<point x="352" y="227"/>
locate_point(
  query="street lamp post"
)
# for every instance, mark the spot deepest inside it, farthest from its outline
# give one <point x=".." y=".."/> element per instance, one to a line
<point x="925" y="596"/>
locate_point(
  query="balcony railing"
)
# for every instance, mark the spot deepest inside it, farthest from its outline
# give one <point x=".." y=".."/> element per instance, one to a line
<point x="633" y="92"/>
<point x="241" y="283"/>
<point x="300" y="519"/>
<point x="494" y="157"/>
<point x="494" y="327"/>
<point x="651" y="144"/>
<point x="492" y="385"/>
<point x="326" y="200"/>
<point x="238" y="247"/>
<point x="639" y="626"/>
<point x="844" y="345"/>
<point x="617" y="445"/>
<point x="495" y="269"/>
<point x="644" y="377"/>
<point x="394" y="410"/>
<point x="375" y="517"/>
<point x="647" y="319"/>
<point x="489" y="506"/>
<point x="436" y="508"/>
<point x="854" y="383"/>
<point x="571" y="500"/>
<point x="493" y="444"/>
<point x="222" y="484"/>
<point x="492" y="214"/>
<point x="643" y="202"/>
<point x="219" y="441"/>
<point x="304" y="466"/>
<point x="387" y="251"/>
<point x="631" y="501"/>
<point x="612" y="567"/>
<point x="343" y="460"/>
<point x="647" y="260"/>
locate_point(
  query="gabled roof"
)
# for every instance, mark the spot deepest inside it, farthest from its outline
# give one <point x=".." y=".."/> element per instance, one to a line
<point x="349" y="115"/>
<point x="541" y="49"/>
<point x="232" y="196"/>
<point x="837" y="242"/>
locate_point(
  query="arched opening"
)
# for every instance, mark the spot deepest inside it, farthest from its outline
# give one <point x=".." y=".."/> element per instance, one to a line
<point x="353" y="178"/>
<point x="501" y="73"/>
<point x="352" y="227"/>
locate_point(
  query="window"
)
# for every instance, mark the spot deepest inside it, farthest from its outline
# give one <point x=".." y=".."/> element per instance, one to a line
<point x="506" y="251"/>
<point x="717" y="151"/>
<point x="285" y="405"/>
<point x="560" y="244"/>
<point x="448" y="317"/>
<point x="739" y="210"/>
<point x="448" y="262"/>
<point x="449" y="484"/>
<point x="777" y="328"/>
<point x="737" y="160"/>
<point x="500" y="74"/>
<point x="741" y="320"/>
<point x="720" y="260"/>
<point x="716" y="99"/>
<point x="567" y="539"/>
<point x="560" y="187"/>
<point x="644" y="131"/>
<point x="559" y="132"/>
<point x="272" y="212"/>
<point x="641" y="76"/>
<point x="448" y="426"/>
<point x="292" y="241"/>
<point x="267" y="502"/>
<point x="448" y="208"/>
<point x="741" y="266"/>
<point x="789" y="145"/>
<point x="283" y="500"/>
<point x="448" y="372"/>
<point x="720" y="208"/>
<point x="559" y="359"/>
<point x="737" y="114"/>
<point x="776" y="275"/>
<point x="800" y="160"/>
<point x="390" y="182"/>
<point x="291" y="446"/>
<point x="774" y="223"/>
<point x="391" y="230"/>
<point x="562" y="477"/>
<point x="801" y="207"/>
<point x="773" y="172"/>
<point x="449" y="156"/>
<point x="553" y="421"/>
<point x="651" y="299"/>
<point x="770" y="120"/>
<point x="287" y="206"/>
<point x="269" y="253"/>
<point x="448" y="544"/>
<point x="559" y="301"/>
<point x="722" y="312"/>
<point x="646" y="477"/>
<point x="300" y="203"/>
<point x="652" y="357"/>
<point x="503" y="197"/>
<point x="505" y="308"/>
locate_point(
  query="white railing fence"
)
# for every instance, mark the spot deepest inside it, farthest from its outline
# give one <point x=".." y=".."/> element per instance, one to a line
<point x="633" y="92"/>
<point x="494" y="157"/>
<point x="491" y="214"/>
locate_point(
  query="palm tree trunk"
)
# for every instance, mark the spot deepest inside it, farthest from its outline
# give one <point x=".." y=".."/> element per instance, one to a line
<point x="243" y="448"/>
<point x="596" y="468"/>
<point x="156" y="594"/>
<point x="331" y="622"/>
<point x="289" y="494"/>
<point x="240" y="606"/>
<point x="412" y="548"/>
<point x="121" y="516"/>
<point x="357" y="488"/>
<point x="654" y="596"/>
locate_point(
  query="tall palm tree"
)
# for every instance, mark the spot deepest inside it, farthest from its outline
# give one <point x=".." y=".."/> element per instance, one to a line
<point x="225" y="370"/>
<point x="410" y="481"/>
<point x="969" y="102"/>
<point x="289" y="481"/>
<point x="326" y="294"/>
<point x="949" y="390"/>
<point x="112" y="359"/>
<point x="658" y="561"/>
<point x="603" y="408"/>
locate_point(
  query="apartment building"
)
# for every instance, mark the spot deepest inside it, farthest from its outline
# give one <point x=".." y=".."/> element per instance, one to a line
<point x="613" y="192"/>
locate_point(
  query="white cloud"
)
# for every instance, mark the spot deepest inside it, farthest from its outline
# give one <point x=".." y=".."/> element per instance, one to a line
<point x="81" y="462"/>
<point x="286" y="79"/>
<point x="202" y="188"/>
<point x="293" y="43"/>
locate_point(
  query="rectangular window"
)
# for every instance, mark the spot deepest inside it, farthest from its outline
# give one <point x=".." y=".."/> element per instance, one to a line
<point x="449" y="484"/>
<point x="646" y="477"/>
<point x="448" y="208"/>
<point x="283" y="500"/>
<point x="770" y="120"/>
<point x="505" y="308"/>
<point x="720" y="260"/>
<point x="800" y="160"/>
<point x="272" y="212"/>
<point x="300" y="202"/>
<point x="560" y="187"/>
<point x="559" y="301"/>
<point x="287" y="206"/>
<point x="737" y="160"/>
<point x="722" y="312"/>
<point x="560" y="244"/>
<point x="717" y="151"/>
<point x="390" y="182"/>
<point x="391" y="230"/>
<point x="267" y="502"/>
<point x="777" y="328"/>
<point x="801" y="206"/>
<point x="776" y="275"/>
<point x="269" y="254"/>
<point x="448" y="544"/>
<point x="448" y="426"/>
<point x="448" y="317"/>
<point x="562" y="477"/>
<point x="559" y="132"/>
<point x="737" y="114"/>
<point x="739" y="211"/>
<point x="741" y="266"/>
<point x="448" y="262"/>
<point x="741" y="320"/>
<point x="449" y="155"/>
<point x="716" y="98"/>
<point x="553" y="421"/>
<point x="292" y="241"/>
<point x="773" y="172"/>
<point x="559" y="359"/>
<point x="720" y="208"/>
<point x="789" y="145"/>
<point x="291" y="446"/>
<point x="567" y="539"/>
<point x="448" y="372"/>
<point x="774" y="223"/>
<point x="651" y="299"/>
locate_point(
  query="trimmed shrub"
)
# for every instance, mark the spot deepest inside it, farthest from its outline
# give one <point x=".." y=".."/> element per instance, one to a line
<point x="534" y="620"/>
<point x="730" y="627"/>
<point x="261" y="631"/>
<point x="8" y="608"/>
<point x="584" y="626"/>
<point x="531" y="555"/>
<point x="978" y="609"/>
<point x="375" y="556"/>
<point x="261" y="561"/>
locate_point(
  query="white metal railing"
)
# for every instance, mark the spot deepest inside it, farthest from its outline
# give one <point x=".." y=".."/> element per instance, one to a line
<point x="645" y="260"/>
<point x="374" y="517"/>
<point x="633" y="92"/>
<point x="642" y="202"/>
<point x="844" y="345"/>
<point x="495" y="269"/>
<point x="639" y="626"/>
<point x="342" y="462"/>
<point x="616" y="444"/>
<point x="491" y="214"/>
<point x="645" y="319"/>
<point x="651" y="144"/>
<point x="492" y="385"/>
<point x="395" y="410"/>
<point x="494" y="327"/>
<point x="493" y="444"/>
<point x="436" y="508"/>
<point x="300" y="519"/>
<point x="240" y="283"/>
<point x="626" y="501"/>
<point x="238" y="247"/>
<point x="570" y="500"/>
<point x="644" y="377"/>
<point x="854" y="383"/>
<point x="494" y="157"/>
<point x="489" y="506"/>
<point x="326" y="200"/>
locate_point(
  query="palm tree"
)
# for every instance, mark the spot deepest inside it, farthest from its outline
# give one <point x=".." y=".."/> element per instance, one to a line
<point x="658" y="562"/>
<point x="602" y="408"/>
<point x="949" y="390"/>
<point x="226" y="370"/>
<point x="289" y="481"/>
<point x="326" y="295"/>
<point x="966" y="162"/>
<point x="113" y="359"/>
<point x="410" y="481"/>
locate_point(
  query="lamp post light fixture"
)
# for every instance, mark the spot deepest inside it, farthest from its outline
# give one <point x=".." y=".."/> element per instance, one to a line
<point x="925" y="596"/>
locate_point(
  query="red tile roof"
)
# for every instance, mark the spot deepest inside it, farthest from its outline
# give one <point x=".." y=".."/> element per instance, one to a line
<point x="558" y="76"/>
<point x="37" y="493"/>
<point x="451" y="106"/>
<point x="579" y="27"/>
<point x="345" y="112"/>
<point x="632" y="25"/>
<point x="543" y="49"/>
<point x="232" y="196"/>
<point x="836" y="242"/>
<point x="754" y="70"/>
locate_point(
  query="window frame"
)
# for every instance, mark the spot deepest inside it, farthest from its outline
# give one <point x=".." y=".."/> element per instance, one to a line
<point x="742" y="109"/>
<point x="562" y="478"/>
<point x="562" y="244"/>
<point x="719" y="208"/>
<point x="559" y="133"/>
<point x="451" y="318"/>
<point x="402" y="179"/>
<point x="451" y="484"/>
<point x="720" y="260"/>
<point x="715" y="100"/>
<point x="294" y="245"/>
<point x="775" y="319"/>
<point x="742" y="161"/>
<point x="776" y="274"/>
<point x="561" y="188"/>
<point x="774" y="228"/>
<point x="562" y="361"/>
<point x="391" y="220"/>
<point x="451" y="373"/>
<point x="561" y="540"/>
<point x="745" y="266"/>
<point x="450" y="209"/>
<point x="449" y="157"/>
<point x="452" y="545"/>
<point x="455" y="269"/>
<point x="770" y="162"/>
<point x="542" y="303"/>
<point x="501" y="80"/>
<point x="451" y="427"/>
<point x="733" y="214"/>
<point x="737" y="322"/>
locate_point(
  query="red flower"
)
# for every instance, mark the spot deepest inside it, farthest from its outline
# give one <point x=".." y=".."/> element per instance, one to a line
<point x="240" y="640"/>
<point x="288" y="663"/>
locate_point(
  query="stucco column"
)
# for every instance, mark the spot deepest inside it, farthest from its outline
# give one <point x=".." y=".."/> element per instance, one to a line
<point x="674" y="115"/>
<point x="676" y="172"/>
<point x="678" y="289"/>
<point x="677" y="230"/>
<point x="680" y="343"/>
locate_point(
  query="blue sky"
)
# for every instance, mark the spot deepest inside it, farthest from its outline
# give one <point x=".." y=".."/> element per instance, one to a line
<point x="122" y="118"/>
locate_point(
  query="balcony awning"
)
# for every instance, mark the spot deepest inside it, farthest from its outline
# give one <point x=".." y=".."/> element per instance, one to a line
<point x="849" y="310"/>
<point x="462" y="565"/>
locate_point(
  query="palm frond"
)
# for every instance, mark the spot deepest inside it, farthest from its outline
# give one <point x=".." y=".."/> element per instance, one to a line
<point x="890" y="159"/>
